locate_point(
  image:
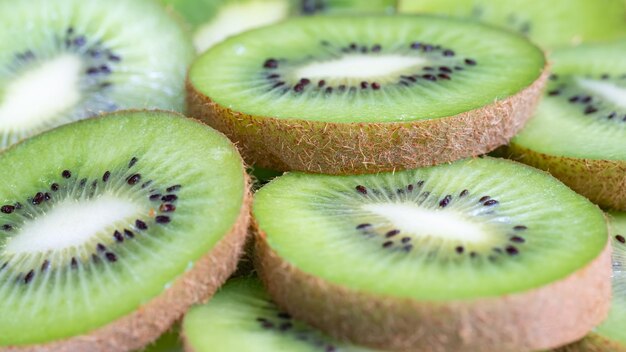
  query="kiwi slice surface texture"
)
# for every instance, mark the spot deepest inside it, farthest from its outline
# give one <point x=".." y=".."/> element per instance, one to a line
<point x="242" y="317"/>
<point x="110" y="228"/>
<point x="65" y="60"/>
<point x="610" y="336"/>
<point x="578" y="129"/>
<point x="478" y="255"/>
<point x="349" y="94"/>
<point x="551" y="24"/>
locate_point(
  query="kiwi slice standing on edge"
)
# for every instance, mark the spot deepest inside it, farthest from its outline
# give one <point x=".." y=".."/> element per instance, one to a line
<point x="549" y="23"/>
<point x="578" y="130"/>
<point x="610" y="336"/>
<point x="354" y="94"/>
<point x="241" y="317"/>
<point x="477" y="255"/>
<point x="65" y="60"/>
<point x="110" y="228"/>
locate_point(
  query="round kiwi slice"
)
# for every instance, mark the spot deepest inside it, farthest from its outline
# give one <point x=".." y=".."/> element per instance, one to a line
<point x="478" y="255"/>
<point x="551" y="24"/>
<point x="352" y="94"/>
<point x="110" y="228"/>
<point x="610" y="336"/>
<point x="578" y="129"/>
<point x="241" y="317"/>
<point x="65" y="60"/>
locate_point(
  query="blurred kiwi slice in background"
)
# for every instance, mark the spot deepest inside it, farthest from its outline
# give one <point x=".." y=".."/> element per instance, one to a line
<point x="551" y="23"/>
<point x="346" y="94"/>
<point x="66" y="60"/>
<point x="110" y="228"/>
<point x="478" y="255"/>
<point x="578" y="130"/>
<point x="212" y="21"/>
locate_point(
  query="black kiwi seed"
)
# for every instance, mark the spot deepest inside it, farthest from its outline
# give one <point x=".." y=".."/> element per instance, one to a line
<point x="132" y="162"/>
<point x="118" y="236"/>
<point x="169" y="198"/>
<point x="361" y="189"/>
<point x="363" y="226"/>
<point x="129" y="233"/>
<point x="140" y="225"/>
<point x="45" y="265"/>
<point x="590" y="110"/>
<point x="66" y="174"/>
<point x="387" y="244"/>
<point x="445" y="201"/>
<point x="376" y="48"/>
<point x="490" y="202"/>
<point x="517" y="239"/>
<point x="167" y="208"/>
<point x="459" y="249"/>
<point x="7" y="209"/>
<point x="173" y="188"/>
<point x="392" y="233"/>
<point x="405" y="239"/>
<point x="612" y="115"/>
<point x="520" y="227"/>
<point x="111" y="256"/>
<point x="133" y="179"/>
<point x="321" y="83"/>
<point x="100" y="247"/>
<point x="470" y="62"/>
<point x="620" y="238"/>
<point x="375" y="86"/>
<point x="54" y="187"/>
<point x="364" y="85"/>
<point x="162" y="219"/>
<point x="156" y="196"/>
<point x="554" y="93"/>
<point x="271" y="63"/>
<point x="38" y="198"/>
<point x="7" y="227"/>
<point x="416" y="45"/>
<point x="146" y="184"/>
<point x="29" y="277"/>
<point x="448" y="52"/>
<point x="463" y="193"/>
<point x="483" y="198"/>
<point x="74" y="263"/>
<point x="83" y="182"/>
<point x="511" y="250"/>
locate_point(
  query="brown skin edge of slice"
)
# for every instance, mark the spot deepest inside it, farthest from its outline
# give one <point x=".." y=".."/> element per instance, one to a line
<point x="601" y="181"/>
<point x="354" y="148"/>
<point x="543" y="318"/>
<point x="148" y="322"/>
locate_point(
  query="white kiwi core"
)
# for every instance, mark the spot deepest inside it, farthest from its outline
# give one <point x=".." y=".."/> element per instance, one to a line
<point x="607" y="90"/>
<point x="361" y="66"/>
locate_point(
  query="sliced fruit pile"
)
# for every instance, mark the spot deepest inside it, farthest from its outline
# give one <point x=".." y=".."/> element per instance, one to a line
<point x="378" y="222"/>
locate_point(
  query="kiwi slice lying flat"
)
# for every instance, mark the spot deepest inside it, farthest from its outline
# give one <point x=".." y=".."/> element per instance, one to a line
<point x="478" y="255"/>
<point x="65" y="60"/>
<point x="241" y="317"/>
<point x="351" y="94"/>
<point x="610" y="336"/>
<point x="111" y="228"/>
<point x="551" y="24"/>
<point x="578" y="129"/>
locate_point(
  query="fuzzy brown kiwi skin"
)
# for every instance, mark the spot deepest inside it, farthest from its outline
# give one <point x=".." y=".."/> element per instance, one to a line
<point x="144" y="326"/>
<point x="593" y="343"/>
<point x="354" y="148"/>
<point x="601" y="181"/>
<point x="539" y="319"/>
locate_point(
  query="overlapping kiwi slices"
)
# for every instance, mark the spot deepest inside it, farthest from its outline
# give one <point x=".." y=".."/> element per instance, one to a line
<point x="65" y="60"/>
<point x="478" y="255"/>
<point x="242" y="317"/>
<point x="110" y="228"/>
<point x="551" y="24"/>
<point x="610" y="336"/>
<point x="578" y="131"/>
<point x="215" y="20"/>
<point x="351" y="94"/>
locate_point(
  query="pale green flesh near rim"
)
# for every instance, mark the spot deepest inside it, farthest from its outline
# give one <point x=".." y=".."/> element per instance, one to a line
<point x="231" y="321"/>
<point x="66" y="60"/>
<point x="313" y="221"/>
<point x="61" y="299"/>
<point x="234" y="75"/>
<point x="614" y="327"/>
<point x="563" y="128"/>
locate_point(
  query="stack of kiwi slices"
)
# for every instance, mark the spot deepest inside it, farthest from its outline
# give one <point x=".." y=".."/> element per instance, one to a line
<point x="111" y="228"/>
<point x="357" y="94"/>
<point x="348" y="140"/>
<point x="65" y="60"/>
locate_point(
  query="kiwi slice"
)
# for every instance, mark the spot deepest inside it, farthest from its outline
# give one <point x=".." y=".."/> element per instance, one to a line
<point x="577" y="130"/>
<point x="111" y="228"/>
<point x="477" y="255"/>
<point x="65" y="60"/>
<point x="242" y="317"/>
<point x="350" y="94"/>
<point x="610" y="336"/>
<point x="551" y="24"/>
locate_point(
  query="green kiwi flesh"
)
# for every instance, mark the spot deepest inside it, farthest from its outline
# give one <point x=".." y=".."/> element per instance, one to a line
<point x="242" y="317"/>
<point x="577" y="130"/>
<point x="168" y="342"/>
<point x="552" y="24"/>
<point x="65" y="60"/>
<point x="401" y="69"/>
<point x="100" y="217"/>
<point x="475" y="232"/>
